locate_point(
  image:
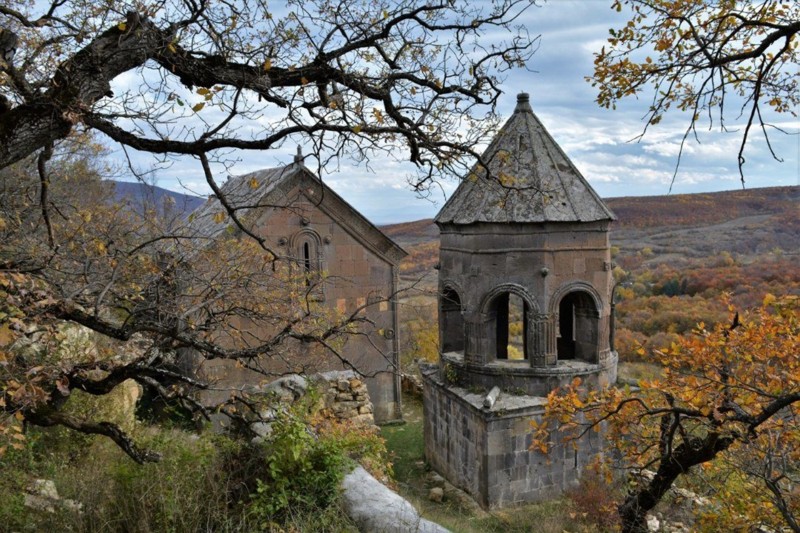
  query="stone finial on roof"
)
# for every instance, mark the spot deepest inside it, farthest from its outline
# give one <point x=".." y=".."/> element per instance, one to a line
<point x="523" y="103"/>
<point x="298" y="157"/>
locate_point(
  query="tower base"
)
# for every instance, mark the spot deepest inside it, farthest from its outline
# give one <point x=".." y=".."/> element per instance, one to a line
<point x="485" y="450"/>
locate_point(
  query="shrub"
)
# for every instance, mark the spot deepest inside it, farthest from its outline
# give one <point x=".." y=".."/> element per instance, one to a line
<point x="302" y="472"/>
<point x="594" y="501"/>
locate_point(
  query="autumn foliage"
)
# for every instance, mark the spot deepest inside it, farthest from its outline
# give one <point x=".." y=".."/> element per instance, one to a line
<point x="728" y="402"/>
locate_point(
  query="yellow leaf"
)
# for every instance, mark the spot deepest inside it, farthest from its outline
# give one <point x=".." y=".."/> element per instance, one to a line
<point x="253" y="183"/>
<point x="267" y="64"/>
<point x="197" y="107"/>
<point x="122" y="26"/>
<point x="171" y="48"/>
<point x="202" y="91"/>
<point x="219" y="217"/>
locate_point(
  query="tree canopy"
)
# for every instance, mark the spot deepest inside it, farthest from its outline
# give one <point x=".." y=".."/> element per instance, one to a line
<point x="204" y="79"/>
<point x="720" y="62"/>
<point x="727" y="403"/>
<point x="199" y="78"/>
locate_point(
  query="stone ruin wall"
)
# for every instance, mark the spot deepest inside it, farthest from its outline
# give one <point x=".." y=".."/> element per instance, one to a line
<point x="346" y="398"/>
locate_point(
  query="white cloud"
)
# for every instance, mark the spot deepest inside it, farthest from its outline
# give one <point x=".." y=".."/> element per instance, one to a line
<point x="597" y="140"/>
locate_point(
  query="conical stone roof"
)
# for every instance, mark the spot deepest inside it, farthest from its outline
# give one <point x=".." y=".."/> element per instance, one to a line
<point x="530" y="180"/>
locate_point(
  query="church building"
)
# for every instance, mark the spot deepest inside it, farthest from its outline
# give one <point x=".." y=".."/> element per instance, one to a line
<point x="319" y="233"/>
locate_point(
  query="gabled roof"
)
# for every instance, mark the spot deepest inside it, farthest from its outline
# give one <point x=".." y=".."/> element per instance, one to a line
<point x="531" y="180"/>
<point x="270" y="188"/>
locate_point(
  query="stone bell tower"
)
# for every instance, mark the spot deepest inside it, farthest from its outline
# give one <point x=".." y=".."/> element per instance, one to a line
<point x="524" y="307"/>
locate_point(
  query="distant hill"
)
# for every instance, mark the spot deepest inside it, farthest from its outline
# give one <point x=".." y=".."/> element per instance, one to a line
<point x="703" y="208"/>
<point x="141" y="194"/>
<point x="746" y="222"/>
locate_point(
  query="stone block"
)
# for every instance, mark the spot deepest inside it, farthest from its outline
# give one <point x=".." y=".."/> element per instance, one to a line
<point x="436" y="494"/>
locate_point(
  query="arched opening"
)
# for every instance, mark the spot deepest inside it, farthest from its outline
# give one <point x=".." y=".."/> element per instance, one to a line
<point x="578" y="327"/>
<point x="307" y="257"/>
<point x="510" y="313"/>
<point x="308" y="260"/>
<point x="305" y="245"/>
<point x="452" y="321"/>
<point x="306" y="249"/>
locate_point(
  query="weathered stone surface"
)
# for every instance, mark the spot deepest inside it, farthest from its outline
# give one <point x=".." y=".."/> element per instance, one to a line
<point x="525" y="284"/>
<point x="485" y="452"/>
<point x="542" y="184"/>
<point x="435" y="480"/>
<point x="375" y="508"/>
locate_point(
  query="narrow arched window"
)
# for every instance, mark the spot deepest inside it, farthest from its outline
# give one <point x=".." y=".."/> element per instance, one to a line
<point x="306" y="247"/>
<point x="306" y="257"/>
<point x="578" y="328"/>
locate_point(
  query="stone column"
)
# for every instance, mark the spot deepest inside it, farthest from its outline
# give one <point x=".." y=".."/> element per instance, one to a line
<point x="479" y="336"/>
<point x="551" y="343"/>
<point x="541" y="335"/>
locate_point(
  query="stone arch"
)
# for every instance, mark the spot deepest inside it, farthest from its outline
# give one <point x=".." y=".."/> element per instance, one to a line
<point x="306" y="249"/>
<point x="506" y="311"/>
<point x="577" y="307"/>
<point x="514" y="288"/>
<point x="572" y="287"/>
<point x="451" y="318"/>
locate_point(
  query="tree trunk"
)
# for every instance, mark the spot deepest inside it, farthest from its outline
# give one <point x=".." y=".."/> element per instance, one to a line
<point x="691" y="452"/>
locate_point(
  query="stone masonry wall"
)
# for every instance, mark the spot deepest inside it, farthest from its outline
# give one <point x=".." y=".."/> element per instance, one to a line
<point x="485" y="451"/>
<point x="346" y="397"/>
<point x="455" y="440"/>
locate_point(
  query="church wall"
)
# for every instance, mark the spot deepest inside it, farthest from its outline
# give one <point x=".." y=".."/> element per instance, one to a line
<point x="356" y="277"/>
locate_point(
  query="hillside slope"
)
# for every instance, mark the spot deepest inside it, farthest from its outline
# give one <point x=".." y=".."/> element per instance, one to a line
<point x="141" y="194"/>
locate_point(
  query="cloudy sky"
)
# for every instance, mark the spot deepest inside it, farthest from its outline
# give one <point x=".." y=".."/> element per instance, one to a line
<point x="600" y="142"/>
